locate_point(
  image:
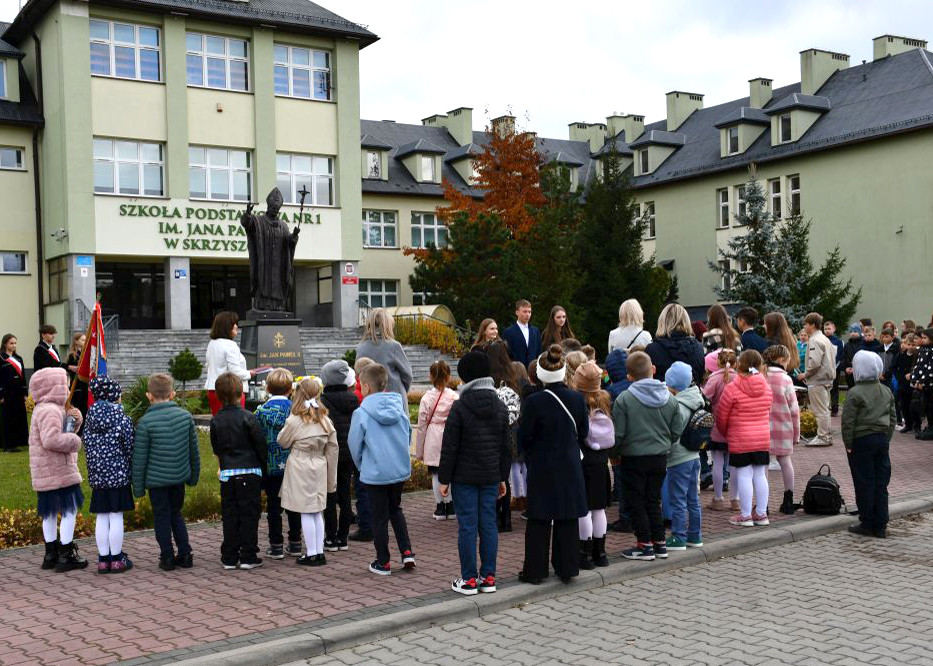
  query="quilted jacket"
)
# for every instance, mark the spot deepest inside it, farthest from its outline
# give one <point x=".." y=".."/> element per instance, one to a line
<point x="743" y="414"/>
<point x="436" y="407"/>
<point x="53" y="454"/>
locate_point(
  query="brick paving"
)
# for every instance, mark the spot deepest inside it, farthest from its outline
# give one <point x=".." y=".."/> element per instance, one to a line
<point x="151" y="616"/>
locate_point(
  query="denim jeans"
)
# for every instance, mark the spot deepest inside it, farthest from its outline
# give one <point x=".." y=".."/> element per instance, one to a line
<point x="476" y="513"/>
<point x="684" y="499"/>
<point x="364" y="521"/>
<point x="166" y="514"/>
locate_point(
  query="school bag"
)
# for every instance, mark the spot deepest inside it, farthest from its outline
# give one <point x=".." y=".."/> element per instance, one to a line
<point x="697" y="432"/>
<point x="822" y="496"/>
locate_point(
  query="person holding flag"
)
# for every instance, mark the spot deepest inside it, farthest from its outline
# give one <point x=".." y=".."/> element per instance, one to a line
<point x="93" y="360"/>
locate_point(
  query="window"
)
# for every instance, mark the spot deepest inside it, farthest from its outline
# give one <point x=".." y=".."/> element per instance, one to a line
<point x="722" y="198"/>
<point x="421" y="298"/>
<point x="784" y="120"/>
<point x="218" y="173"/>
<point x="312" y="172"/>
<point x="648" y="220"/>
<point x="427" y="168"/>
<point x="2" y="79"/>
<point x="11" y="158"/>
<point x="794" y="194"/>
<point x="125" y="51"/>
<point x="12" y="262"/>
<point x="636" y="217"/>
<point x="128" y="167"/>
<point x="379" y="293"/>
<point x="733" y="136"/>
<point x="427" y="230"/>
<point x="774" y="189"/>
<point x="217" y="62"/>
<point x="740" y="202"/>
<point x="379" y="228"/>
<point x="643" y="159"/>
<point x="743" y="266"/>
<point x="58" y="280"/>
<point x="302" y="72"/>
<point x="373" y="164"/>
<point x="725" y="281"/>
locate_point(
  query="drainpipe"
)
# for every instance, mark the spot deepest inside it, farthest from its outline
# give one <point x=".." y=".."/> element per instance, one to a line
<point x="40" y="255"/>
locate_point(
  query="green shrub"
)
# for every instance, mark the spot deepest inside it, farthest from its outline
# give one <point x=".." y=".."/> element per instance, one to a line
<point x="350" y="357"/>
<point x="807" y="423"/>
<point x="135" y="402"/>
<point x="420" y="477"/>
<point x="185" y="367"/>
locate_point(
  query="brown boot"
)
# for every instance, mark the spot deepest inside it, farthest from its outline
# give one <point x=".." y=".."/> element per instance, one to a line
<point x="717" y="505"/>
<point x="735" y="505"/>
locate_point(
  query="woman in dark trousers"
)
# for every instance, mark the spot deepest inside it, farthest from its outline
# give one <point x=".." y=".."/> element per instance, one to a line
<point x="13" y="393"/>
<point x="554" y="426"/>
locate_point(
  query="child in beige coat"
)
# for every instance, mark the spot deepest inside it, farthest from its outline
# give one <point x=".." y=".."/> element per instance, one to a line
<point x="311" y="470"/>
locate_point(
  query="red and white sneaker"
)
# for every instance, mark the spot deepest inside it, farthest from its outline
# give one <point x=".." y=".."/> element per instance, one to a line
<point x="760" y="519"/>
<point x="742" y="521"/>
<point x="408" y="559"/>
<point x="467" y="587"/>
<point x="487" y="584"/>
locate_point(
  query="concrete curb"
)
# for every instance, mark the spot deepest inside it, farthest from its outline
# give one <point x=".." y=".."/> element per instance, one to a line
<point x="351" y="634"/>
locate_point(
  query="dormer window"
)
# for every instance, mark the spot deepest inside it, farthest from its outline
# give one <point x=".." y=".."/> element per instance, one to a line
<point x="785" y="125"/>
<point x="373" y="164"/>
<point x="733" y="138"/>
<point x="739" y="129"/>
<point x="643" y="161"/>
<point x="794" y="115"/>
<point x="427" y="168"/>
<point x="421" y="159"/>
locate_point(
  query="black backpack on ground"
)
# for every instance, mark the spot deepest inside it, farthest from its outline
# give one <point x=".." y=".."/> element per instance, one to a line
<point x="822" y="496"/>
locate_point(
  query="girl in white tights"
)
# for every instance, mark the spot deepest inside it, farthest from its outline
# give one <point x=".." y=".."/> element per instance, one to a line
<point x="721" y="366"/>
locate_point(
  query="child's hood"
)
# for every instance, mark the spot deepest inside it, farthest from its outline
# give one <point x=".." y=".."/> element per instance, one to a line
<point x="49" y="385"/>
<point x="691" y="398"/>
<point x="752" y="385"/>
<point x="615" y="365"/>
<point x="102" y="418"/>
<point x="650" y="392"/>
<point x="385" y="407"/>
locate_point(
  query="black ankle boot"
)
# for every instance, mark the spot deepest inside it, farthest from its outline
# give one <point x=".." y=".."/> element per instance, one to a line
<point x="586" y="555"/>
<point x="599" y="552"/>
<point x="51" y="555"/>
<point x="68" y="558"/>
<point x="787" y="506"/>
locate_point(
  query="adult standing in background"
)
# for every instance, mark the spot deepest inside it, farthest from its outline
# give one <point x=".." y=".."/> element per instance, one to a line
<point x="720" y="334"/>
<point x="523" y="338"/>
<point x="557" y="329"/>
<point x="819" y="375"/>
<point x="745" y="320"/>
<point x="488" y="331"/>
<point x="79" y="398"/>
<point x="674" y="341"/>
<point x="631" y="329"/>
<point x="13" y="392"/>
<point x="45" y="354"/>
<point x="380" y="345"/>
<point x="223" y="355"/>
<point x="777" y="332"/>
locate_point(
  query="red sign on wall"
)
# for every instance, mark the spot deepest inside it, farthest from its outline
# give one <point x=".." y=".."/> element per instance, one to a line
<point x="350" y="280"/>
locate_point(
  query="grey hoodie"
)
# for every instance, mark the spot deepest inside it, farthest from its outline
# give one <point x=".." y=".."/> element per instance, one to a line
<point x="647" y="420"/>
<point x="650" y="392"/>
<point x="689" y="400"/>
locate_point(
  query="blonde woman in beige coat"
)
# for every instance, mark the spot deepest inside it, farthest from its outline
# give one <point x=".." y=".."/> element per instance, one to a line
<point x="311" y="470"/>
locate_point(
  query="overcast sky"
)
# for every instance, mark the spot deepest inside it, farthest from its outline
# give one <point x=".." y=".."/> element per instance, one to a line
<point x="553" y="63"/>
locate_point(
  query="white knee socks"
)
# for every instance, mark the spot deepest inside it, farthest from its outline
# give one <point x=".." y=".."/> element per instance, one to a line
<point x="312" y="527"/>
<point x="787" y="471"/>
<point x="50" y="528"/>
<point x="749" y="477"/>
<point x="435" y="486"/>
<point x="519" y="479"/>
<point x="585" y="526"/>
<point x="600" y="524"/>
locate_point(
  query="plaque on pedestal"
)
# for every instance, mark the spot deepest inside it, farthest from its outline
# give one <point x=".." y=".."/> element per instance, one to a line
<point x="272" y="339"/>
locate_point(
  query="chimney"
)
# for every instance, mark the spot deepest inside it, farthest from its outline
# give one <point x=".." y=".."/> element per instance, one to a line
<point x="679" y="107"/>
<point x="634" y="126"/>
<point x="437" y="120"/>
<point x="889" y="45"/>
<point x="503" y="124"/>
<point x="460" y="125"/>
<point x="594" y="133"/>
<point x="816" y="66"/>
<point x="759" y="92"/>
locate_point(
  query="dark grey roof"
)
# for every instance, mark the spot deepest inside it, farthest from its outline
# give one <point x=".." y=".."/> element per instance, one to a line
<point x="798" y="101"/>
<point x="887" y="96"/>
<point x="659" y="137"/>
<point x="618" y="143"/>
<point x="26" y="110"/>
<point x="7" y="49"/>
<point x="369" y="141"/>
<point x="469" y="150"/>
<point x="744" y="114"/>
<point x="418" y="146"/>
<point x="564" y="158"/>
<point x="295" y="15"/>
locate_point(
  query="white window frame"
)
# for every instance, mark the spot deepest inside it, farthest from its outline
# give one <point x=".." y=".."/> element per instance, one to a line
<point x="311" y="68"/>
<point x="112" y="44"/>
<point x="421" y="297"/>
<point x="141" y="163"/>
<point x="370" y="154"/>
<point x="19" y="157"/>
<point x="742" y="266"/>
<point x="643" y="162"/>
<point x="732" y="133"/>
<point x="312" y="178"/>
<point x="740" y="208"/>
<point x="794" y="194"/>
<point x="790" y="128"/>
<point x="425" y="177"/>
<point x="722" y="208"/>
<point x="725" y="277"/>
<point x="418" y="222"/>
<point x="776" y="199"/>
<point x="3" y="92"/>
<point x="4" y="253"/>
<point x="207" y="167"/>
<point x="387" y="288"/>
<point x="649" y="230"/>
<point x="226" y="57"/>
<point x="382" y="224"/>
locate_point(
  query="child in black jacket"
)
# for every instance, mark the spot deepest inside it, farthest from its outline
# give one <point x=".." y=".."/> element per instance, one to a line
<point x="340" y="401"/>
<point x="921" y="377"/>
<point x="901" y="368"/>
<point x="239" y="443"/>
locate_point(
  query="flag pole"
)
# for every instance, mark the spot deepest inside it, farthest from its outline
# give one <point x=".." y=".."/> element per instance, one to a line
<point x="87" y="337"/>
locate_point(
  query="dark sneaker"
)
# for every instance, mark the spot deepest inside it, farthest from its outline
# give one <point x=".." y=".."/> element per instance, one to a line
<point x="121" y="563"/>
<point x="276" y="552"/>
<point x="184" y="561"/>
<point x="487" y="584"/>
<point x="860" y="529"/>
<point x="660" y="550"/>
<point x="467" y="587"/>
<point x="408" y="559"/>
<point x="330" y="545"/>
<point x="312" y="560"/>
<point x="360" y="535"/>
<point x="694" y="542"/>
<point x="342" y="544"/>
<point x="675" y="543"/>
<point x="251" y="564"/>
<point x="294" y="549"/>
<point x="906" y="429"/>
<point x="229" y="566"/>
<point x="380" y="569"/>
<point x="640" y="552"/>
<point x="531" y="580"/>
<point x="524" y="515"/>
<point x="451" y="511"/>
<point x="168" y="563"/>
<point x="103" y="564"/>
<point x="440" y="511"/>
<point x="706" y="482"/>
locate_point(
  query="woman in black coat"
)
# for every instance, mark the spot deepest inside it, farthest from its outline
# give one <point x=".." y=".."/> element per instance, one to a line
<point x="551" y="439"/>
<point x="675" y="342"/>
<point x="13" y="392"/>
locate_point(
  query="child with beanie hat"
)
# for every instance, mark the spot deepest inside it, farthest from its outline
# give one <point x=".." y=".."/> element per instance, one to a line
<point x="683" y="465"/>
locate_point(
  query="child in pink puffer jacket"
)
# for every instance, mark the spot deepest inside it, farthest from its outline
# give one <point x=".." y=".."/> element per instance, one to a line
<point x="721" y="364"/>
<point x="53" y="463"/>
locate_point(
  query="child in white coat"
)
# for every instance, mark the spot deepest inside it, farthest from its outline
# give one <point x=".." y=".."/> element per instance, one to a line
<point x="432" y="417"/>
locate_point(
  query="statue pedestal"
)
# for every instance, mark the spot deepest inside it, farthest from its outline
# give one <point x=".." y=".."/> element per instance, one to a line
<point x="272" y="339"/>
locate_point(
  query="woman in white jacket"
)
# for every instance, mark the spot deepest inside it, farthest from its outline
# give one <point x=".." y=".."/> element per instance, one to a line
<point x="223" y="355"/>
<point x="631" y="330"/>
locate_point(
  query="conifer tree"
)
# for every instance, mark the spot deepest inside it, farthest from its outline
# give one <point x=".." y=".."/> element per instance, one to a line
<point x="184" y="367"/>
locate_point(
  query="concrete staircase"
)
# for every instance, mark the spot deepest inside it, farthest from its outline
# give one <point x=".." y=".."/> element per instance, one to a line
<point x="142" y="352"/>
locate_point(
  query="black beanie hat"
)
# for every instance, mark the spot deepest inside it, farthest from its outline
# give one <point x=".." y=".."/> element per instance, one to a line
<point x="473" y="365"/>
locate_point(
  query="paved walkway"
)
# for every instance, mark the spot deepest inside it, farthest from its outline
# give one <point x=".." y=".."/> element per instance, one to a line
<point x="818" y="602"/>
<point x="152" y="617"/>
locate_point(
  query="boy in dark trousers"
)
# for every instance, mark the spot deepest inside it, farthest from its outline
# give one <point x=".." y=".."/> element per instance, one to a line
<point x="240" y="446"/>
<point x="901" y="369"/>
<point x="165" y="460"/>
<point x="648" y="420"/>
<point x="341" y="402"/>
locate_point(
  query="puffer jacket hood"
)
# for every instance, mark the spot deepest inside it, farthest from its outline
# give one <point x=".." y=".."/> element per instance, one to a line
<point x="650" y="392"/>
<point x="615" y="368"/>
<point x="49" y="385"/>
<point x="480" y="401"/>
<point x="743" y="414"/>
<point x="867" y="366"/>
<point x="752" y="385"/>
<point x="385" y="408"/>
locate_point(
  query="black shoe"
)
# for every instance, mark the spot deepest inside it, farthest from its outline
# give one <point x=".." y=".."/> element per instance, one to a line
<point x="352" y="518"/>
<point x="450" y="510"/>
<point x="312" y="560"/>
<point x="68" y="558"/>
<point x="342" y="544"/>
<point x="51" y="555"/>
<point x="184" y="561"/>
<point x="586" y="555"/>
<point x="906" y="429"/>
<point x="880" y="534"/>
<point x="860" y="529"/>
<point x="787" y="506"/>
<point x="360" y="535"/>
<point x="440" y="512"/>
<point x="706" y="482"/>
<point x="168" y="563"/>
<point x="599" y="552"/>
<point x="525" y="578"/>
<point x="254" y="563"/>
<point x="330" y="545"/>
<point x="926" y="435"/>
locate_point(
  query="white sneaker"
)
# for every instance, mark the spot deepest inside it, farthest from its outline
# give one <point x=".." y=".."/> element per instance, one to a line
<point x="774" y="465"/>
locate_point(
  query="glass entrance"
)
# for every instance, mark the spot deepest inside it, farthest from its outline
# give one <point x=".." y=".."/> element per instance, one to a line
<point x="136" y="292"/>
<point x="216" y="288"/>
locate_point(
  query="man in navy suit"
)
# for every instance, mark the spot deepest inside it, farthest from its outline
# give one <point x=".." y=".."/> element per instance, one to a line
<point x="523" y="338"/>
<point x="745" y="320"/>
